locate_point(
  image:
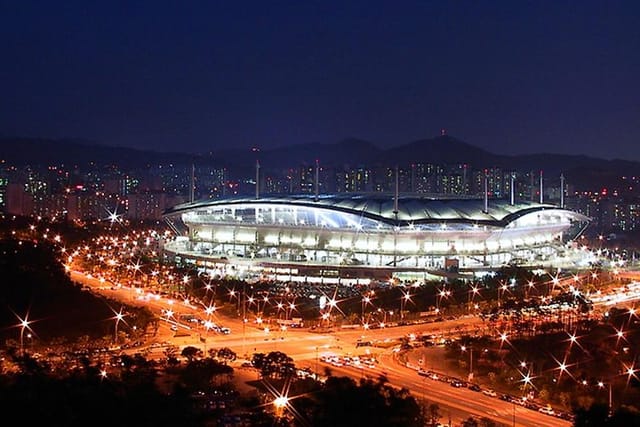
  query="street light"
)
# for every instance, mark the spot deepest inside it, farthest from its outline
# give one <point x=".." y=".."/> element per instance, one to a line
<point x="365" y="300"/>
<point x="118" y="317"/>
<point x="601" y="385"/>
<point x="23" y="324"/>
<point x="473" y="291"/>
<point x="280" y="403"/>
<point x="464" y="348"/>
<point x="244" y="316"/>
<point x="504" y="288"/>
<point x="403" y="302"/>
<point x="207" y="325"/>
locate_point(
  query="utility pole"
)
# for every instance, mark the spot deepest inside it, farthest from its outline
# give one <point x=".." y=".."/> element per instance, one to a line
<point x="244" y="316"/>
<point x="470" y="363"/>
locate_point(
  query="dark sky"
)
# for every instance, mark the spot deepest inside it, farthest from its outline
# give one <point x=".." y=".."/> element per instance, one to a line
<point x="509" y="76"/>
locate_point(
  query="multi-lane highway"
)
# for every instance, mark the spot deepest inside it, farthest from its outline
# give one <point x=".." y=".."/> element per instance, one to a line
<point x="307" y="348"/>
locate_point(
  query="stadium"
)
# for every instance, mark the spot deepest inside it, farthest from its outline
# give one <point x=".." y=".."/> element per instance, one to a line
<point x="369" y="235"/>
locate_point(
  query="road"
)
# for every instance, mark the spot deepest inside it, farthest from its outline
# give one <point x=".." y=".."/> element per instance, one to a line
<point x="307" y="347"/>
<point x="457" y="403"/>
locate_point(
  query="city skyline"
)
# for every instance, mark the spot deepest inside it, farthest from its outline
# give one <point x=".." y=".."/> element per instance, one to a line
<point x="508" y="78"/>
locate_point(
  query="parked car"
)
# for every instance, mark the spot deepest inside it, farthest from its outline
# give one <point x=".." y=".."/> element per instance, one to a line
<point x="547" y="410"/>
<point x="474" y="387"/>
<point x="565" y="416"/>
<point x="489" y="392"/>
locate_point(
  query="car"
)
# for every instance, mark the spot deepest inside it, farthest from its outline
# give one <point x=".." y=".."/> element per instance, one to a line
<point x="565" y="416"/>
<point x="489" y="392"/>
<point x="457" y="383"/>
<point x="519" y="401"/>
<point x="474" y="387"/>
<point x="547" y="410"/>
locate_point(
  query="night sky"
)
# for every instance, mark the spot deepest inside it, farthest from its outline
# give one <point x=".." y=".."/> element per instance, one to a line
<point x="512" y="77"/>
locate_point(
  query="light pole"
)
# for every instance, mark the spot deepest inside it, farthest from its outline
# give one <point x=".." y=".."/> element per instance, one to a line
<point x="403" y="303"/>
<point x="280" y="403"/>
<point x="601" y="385"/>
<point x="502" y="288"/>
<point x="464" y="348"/>
<point x="365" y="300"/>
<point x="119" y="316"/>
<point x="23" y="324"/>
<point x="244" y="316"/>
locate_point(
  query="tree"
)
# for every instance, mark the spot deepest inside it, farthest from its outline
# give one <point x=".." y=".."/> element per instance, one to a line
<point x="595" y="415"/>
<point x="492" y="377"/>
<point x="191" y="352"/>
<point x="625" y="416"/>
<point x="257" y="360"/>
<point x="226" y="355"/>
<point x="213" y="353"/>
<point x="275" y="364"/>
<point x="470" y="422"/>
<point x="170" y="353"/>
<point x="138" y="371"/>
<point x="198" y="375"/>
<point x="75" y="397"/>
<point x="343" y="402"/>
<point x="434" y="413"/>
<point x="487" y="422"/>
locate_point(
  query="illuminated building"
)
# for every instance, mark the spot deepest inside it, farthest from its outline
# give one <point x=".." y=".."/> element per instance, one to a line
<point x="372" y="232"/>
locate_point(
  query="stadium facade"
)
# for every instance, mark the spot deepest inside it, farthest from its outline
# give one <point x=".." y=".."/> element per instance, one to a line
<point x="356" y="234"/>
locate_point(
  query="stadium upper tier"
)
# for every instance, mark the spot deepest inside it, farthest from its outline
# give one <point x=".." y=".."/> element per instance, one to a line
<point x="375" y="230"/>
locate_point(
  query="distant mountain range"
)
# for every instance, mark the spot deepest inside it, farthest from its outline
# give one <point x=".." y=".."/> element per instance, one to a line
<point x="349" y="152"/>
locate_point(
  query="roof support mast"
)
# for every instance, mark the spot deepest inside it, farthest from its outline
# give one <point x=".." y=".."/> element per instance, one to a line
<point x="486" y="192"/>
<point x="395" y="197"/>
<point x="317" y="183"/>
<point x="562" y="190"/>
<point x="192" y="187"/>
<point x="541" y="189"/>
<point x="257" y="179"/>
<point x="512" y="188"/>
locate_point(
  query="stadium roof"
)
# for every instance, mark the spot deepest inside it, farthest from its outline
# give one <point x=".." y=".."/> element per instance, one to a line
<point x="380" y="207"/>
